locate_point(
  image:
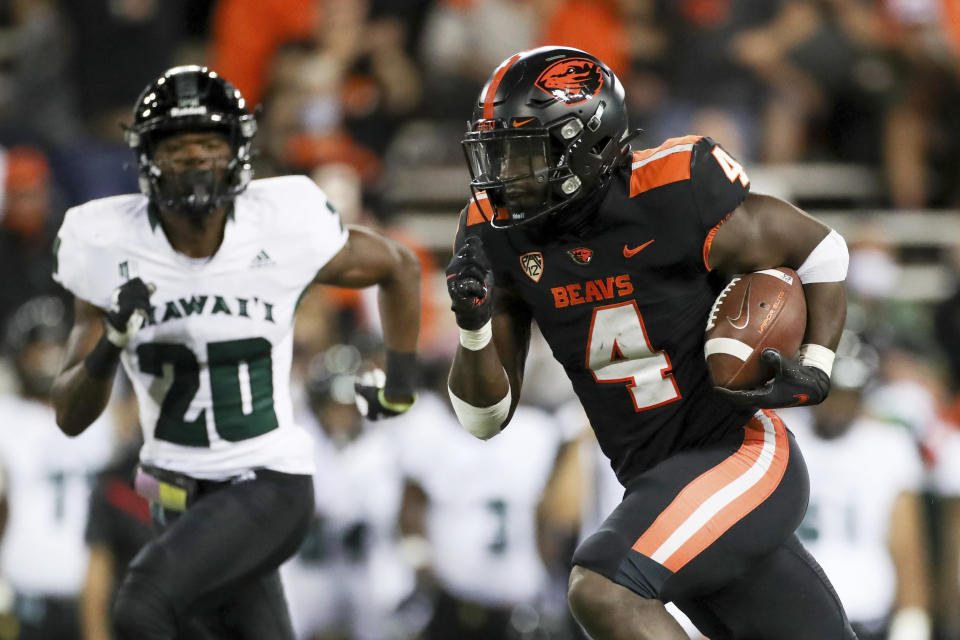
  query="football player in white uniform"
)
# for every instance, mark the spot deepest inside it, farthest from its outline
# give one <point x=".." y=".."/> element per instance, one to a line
<point x="48" y="478"/>
<point x="865" y="523"/>
<point x="192" y="285"/>
<point x="348" y="579"/>
<point x="480" y="518"/>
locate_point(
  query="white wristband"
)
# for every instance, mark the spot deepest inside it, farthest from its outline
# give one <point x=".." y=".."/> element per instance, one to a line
<point x="910" y="623"/>
<point x="415" y="550"/>
<point x="474" y="340"/>
<point x="815" y="355"/>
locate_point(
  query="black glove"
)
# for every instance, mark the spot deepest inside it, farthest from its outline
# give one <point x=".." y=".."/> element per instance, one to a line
<point x="793" y="385"/>
<point x="128" y="311"/>
<point x="469" y="283"/>
<point x="371" y="402"/>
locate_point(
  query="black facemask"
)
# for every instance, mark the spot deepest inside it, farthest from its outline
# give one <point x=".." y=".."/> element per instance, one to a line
<point x="195" y="193"/>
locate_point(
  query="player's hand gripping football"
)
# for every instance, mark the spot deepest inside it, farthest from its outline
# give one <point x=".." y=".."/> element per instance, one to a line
<point x="128" y="311"/>
<point x="469" y="283"/>
<point x="792" y="385"/>
<point x="371" y="400"/>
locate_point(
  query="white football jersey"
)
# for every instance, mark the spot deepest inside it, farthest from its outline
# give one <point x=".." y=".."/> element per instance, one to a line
<point x="49" y="477"/>
<point x="211" y="366"/>
<point x="330" y="584"/>
<point x="854" y="481"/>
<point x="483" y="498"/>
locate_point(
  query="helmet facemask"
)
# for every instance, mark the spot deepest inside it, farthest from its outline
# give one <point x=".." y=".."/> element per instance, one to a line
<point x="525" y="173"/>
<point x="198" y="186"/>
<point x="530" y="172"/>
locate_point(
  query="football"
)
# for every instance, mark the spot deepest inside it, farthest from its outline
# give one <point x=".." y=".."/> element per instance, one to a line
<point x="753" y="312"/>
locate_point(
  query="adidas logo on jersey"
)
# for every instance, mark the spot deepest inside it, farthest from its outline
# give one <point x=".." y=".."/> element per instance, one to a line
<point x="262" y="259"/>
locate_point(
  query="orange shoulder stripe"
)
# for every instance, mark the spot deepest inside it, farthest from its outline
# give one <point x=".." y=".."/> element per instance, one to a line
<point x="670" y="162"/>
<point x="483" y="213"/>
<point x="708" y="241"/>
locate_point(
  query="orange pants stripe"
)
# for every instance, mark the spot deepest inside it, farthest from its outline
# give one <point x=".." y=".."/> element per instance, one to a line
<point x="719" y="497"/>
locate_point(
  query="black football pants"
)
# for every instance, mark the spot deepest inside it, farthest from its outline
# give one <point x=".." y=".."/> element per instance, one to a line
<point x="211" y="574"/>
<point x="711" y="529"/>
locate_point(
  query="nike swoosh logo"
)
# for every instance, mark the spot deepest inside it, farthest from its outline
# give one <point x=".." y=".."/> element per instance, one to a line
<point x="629" y="253"/>
<point x="520" y="123"/>
<point x="802" y="399"/>
<point x="744" y="304"/>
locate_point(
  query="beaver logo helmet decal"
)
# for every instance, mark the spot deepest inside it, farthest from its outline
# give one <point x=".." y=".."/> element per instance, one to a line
<point x="571" y="80"/>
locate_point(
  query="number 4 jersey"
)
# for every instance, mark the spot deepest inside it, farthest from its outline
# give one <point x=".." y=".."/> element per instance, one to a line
<point x="624" y="305"/>
<point x="211" y="366"/>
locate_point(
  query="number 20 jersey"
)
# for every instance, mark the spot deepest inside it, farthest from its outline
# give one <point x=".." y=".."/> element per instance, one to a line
<point x="211" y="366"/>
<point x="625" y="307"/>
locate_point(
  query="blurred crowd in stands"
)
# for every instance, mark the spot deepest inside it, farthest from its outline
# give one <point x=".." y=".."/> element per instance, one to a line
<point x="349" y="91"/>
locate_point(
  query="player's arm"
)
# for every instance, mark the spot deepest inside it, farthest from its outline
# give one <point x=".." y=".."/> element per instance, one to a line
<point x="764" y="232"/>
<point x="907" y="539"/>
<point x="368" y="259"/>
<point x="487" y="372"/>
<point x="948" y="586"/>
<point x="80" y="394"/>
<point x="82" y="388"/>
<point x="98" y="588"/>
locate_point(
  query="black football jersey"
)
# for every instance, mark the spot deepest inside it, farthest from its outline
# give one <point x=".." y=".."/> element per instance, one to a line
<point x="624" y="307"/>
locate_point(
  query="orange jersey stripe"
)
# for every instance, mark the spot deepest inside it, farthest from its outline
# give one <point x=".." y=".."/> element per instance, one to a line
<point x="720" y="497"/>
<point x="670" y="162"/>
<point x="483" y="213"/>
<point x="708" y="242"/>
<point x="491" y="91"/>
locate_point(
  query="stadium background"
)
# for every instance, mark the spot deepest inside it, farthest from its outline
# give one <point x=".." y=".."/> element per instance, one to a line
<point x="846" y="107"/>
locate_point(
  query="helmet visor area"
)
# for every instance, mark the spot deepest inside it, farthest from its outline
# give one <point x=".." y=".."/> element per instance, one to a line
<point x="513" y="169"/>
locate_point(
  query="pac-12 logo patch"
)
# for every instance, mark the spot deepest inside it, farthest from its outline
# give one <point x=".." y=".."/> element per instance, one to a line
<point x="571" y="80"/>
<point x="532" y="264"/>
<point x="581" y="255"/>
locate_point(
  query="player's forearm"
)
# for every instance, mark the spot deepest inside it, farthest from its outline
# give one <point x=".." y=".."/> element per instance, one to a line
<point x="80" y="394"/>
<point x="400" y="317"/>
<point x="95" y="601"/>
<point x="826" y="313"/>
<point x="400" y="301"/>
<point x="478" y="377"/>
<point x="480" y="390"/>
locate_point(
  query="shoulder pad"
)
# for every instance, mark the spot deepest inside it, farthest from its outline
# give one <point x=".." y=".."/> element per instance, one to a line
<point x="668" y="163"/>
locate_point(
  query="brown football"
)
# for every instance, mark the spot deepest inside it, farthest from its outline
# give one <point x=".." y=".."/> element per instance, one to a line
<point x="755" y="311"/>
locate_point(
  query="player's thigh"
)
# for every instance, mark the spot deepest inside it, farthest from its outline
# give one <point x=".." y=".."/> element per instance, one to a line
<point x="239" y="531"/>
<point x="785" y="597"/>
<point x="702" y="518"/>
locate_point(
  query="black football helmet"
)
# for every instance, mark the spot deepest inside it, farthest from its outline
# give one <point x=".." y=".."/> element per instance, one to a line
<point x="192" y="99"/>
<point x="548" y="129"/>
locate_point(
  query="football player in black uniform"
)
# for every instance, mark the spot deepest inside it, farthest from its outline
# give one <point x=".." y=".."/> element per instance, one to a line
<point x="618" y="256"/>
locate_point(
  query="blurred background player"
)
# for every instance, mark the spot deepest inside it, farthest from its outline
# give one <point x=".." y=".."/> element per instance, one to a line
<point x="348" y="579"/>
<point x="873" y="550"/>
<point x="207" y="345"/>
<point x="476" y="506"/>
<point x="48" y="478"/>
<point x="118" y="524"/>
